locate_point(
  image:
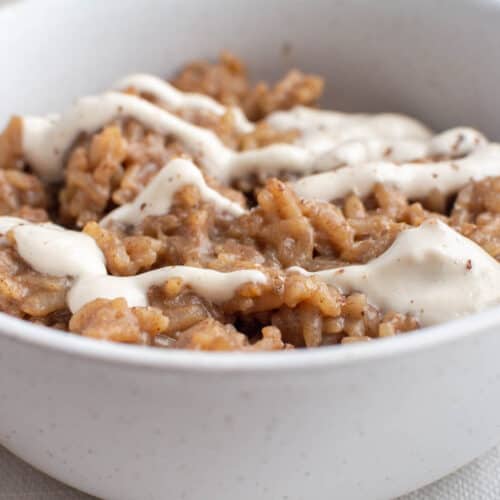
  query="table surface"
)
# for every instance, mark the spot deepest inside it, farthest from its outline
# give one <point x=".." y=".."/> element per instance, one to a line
<point x="479" y="480"/>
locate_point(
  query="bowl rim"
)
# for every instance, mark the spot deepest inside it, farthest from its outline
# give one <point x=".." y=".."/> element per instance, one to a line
<point x="70" y="344"/>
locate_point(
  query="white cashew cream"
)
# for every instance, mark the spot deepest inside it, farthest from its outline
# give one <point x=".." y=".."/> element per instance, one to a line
<point x="157" y="197"/>
<point x="423" y="269"/>
<point x="431" y="272"/>
<point x="415" y="180"/>
<point x="53" y="250"/>
<point x="320" y="130"/>
<point x="327" y="139"/>
<point x="175" y="99"/>
<point x="46" y="140"/>
<point x="213" y="285"/>
<point x="452" y="143"/>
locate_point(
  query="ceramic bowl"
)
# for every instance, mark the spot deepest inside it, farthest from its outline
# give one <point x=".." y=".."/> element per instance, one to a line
<point x="355" y="422"/>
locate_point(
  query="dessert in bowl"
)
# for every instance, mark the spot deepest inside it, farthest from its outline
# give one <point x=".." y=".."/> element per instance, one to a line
<point x="133" y="421"/>
<point x="161" y="216"/>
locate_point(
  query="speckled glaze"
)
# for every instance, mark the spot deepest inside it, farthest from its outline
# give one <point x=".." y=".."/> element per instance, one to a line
<point x="358" y="422"/>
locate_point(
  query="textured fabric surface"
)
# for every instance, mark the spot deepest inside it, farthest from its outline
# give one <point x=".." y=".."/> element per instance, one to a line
<point x="479" y="480"/>
<point x="19" y="481"/>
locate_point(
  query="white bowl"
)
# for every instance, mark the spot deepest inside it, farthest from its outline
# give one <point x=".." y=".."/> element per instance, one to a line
<point x="356" y="422"/>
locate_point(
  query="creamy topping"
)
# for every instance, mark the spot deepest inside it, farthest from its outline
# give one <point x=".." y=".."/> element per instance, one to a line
<point x="7" y="223"/>
<point x="388" y="135"/>
<point x="320" y="130"/>
<point x="425" y="268"/>
<point x="53" y="250"/>
<point x="356" y="151"/>
<point x="415" y="180"/>
<point x="452" y="143"/>
<point x="431" y="272"/>
<point x="323" y="130"/>
<point x="327" y="139"/>
<point x="456" y="142"/>
<point x="56" y="251"/>
<point x="175" y="99"/>
<point x="46" y="140"/>
<point x="347" y="125"/>
<point x="157" y="197"/>
<point x="213" y="285"/>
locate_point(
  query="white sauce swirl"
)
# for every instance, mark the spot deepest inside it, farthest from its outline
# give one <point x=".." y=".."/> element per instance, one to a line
<point x="431" y="272"/>
<point x="452" y="143"/>
<point x="327" y="138"/>
<point x="213" y="285"/>
<point x="157" y="197"/>
<point x="415" y="180"/>
<point x="425" y="268"/>
<point x="53" y="250"/>
<point x="175" y="99"/>
<point x="323" y="130"/>
<point x="45" y="141"/>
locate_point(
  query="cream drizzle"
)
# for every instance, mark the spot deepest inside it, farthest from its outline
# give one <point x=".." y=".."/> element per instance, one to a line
<point x="431" y="272"/>
<point x="213" y="285"/>
<point x="425" y="268"/>
<point x="456" y="142"/>
<point x="157" y="197"/>
<point x="46" y="140"/>
<point x="413" y="180"/>
<point x="322" y="130"/>
<point x="453" y="143"/>
<point x="53" y="250"/>
<point x="169" y="96"/>
<point x="346" y="138"/>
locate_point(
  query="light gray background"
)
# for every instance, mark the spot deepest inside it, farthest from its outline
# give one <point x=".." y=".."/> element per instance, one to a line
<point x="479" y="480"/>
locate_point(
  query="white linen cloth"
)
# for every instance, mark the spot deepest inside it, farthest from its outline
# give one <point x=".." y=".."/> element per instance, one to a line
<point x="480" y="480"/>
